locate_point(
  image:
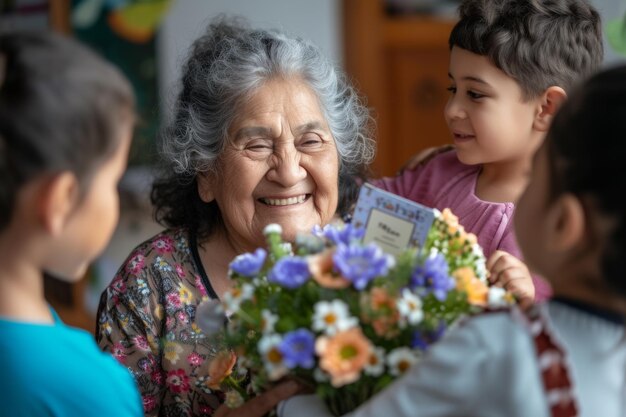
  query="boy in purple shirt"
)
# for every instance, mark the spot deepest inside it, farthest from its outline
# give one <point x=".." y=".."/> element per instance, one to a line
<point x="511" y="64"/>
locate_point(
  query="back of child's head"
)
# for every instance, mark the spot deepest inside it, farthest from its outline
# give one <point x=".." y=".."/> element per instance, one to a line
<point x="538" y="43"/>
<point x="62" y="108"/>
<point x="587" y="150"/>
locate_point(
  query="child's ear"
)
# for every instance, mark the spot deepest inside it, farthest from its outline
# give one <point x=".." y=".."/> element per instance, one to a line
<point x="57" y="201"/>
<point x="550" y="102"/>
<point x="566" y="221"/>
<point x="205" y="187"/>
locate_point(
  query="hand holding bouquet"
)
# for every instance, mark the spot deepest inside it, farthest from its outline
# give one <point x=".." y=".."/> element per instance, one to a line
<point x="344" y="316"/>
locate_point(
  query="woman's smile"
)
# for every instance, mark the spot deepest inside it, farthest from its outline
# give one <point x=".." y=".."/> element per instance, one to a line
<point x="285" y="201"/>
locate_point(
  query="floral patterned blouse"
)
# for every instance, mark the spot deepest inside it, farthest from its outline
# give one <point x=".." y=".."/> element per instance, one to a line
<point x="146" y="319"/>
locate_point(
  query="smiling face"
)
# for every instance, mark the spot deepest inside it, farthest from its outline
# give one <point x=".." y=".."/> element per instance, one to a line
<point x="489" y="120"/>
<point x="280" y="166"/>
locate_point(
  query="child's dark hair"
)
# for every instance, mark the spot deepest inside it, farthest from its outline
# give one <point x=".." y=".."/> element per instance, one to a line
<point x="538" y="43"/>
<point x="587" y="150"/>
<point x="61" y="109"/>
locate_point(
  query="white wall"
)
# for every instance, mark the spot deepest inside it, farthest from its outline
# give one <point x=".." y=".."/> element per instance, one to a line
<point x="315" y="20"/>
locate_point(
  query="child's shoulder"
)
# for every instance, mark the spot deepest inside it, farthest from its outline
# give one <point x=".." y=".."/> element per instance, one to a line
<point x="51" y="349"/>
<point x="36" y="351"/>
<point x="442" y="171"/>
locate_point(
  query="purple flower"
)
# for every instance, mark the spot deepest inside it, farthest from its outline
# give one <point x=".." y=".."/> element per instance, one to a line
<point x="290" y="272"/>
<point x="345" y="235"/>
<point x="361" y="264"/>
<point x="298" y="349"/>
<point x="423" y="339"/>
<point x="249" y="264"/>
<point x="433" y="277"/>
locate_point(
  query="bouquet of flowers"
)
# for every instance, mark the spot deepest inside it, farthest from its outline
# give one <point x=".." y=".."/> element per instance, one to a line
<point x="341" y="315"/>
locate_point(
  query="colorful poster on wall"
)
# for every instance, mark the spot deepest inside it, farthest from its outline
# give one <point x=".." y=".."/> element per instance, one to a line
<point x="123" y="31"/>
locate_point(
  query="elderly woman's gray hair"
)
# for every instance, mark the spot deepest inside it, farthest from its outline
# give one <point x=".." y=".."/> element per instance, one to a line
<point x="227" y="64"/>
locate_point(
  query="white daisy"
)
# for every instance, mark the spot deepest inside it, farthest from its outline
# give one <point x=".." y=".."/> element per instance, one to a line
<point x="400" y="360"/>
<point x="410" y="307"/>
<point x="271" y="356"/>
<point x="272" y="228"/>
<point x="499" y="297"/>
<point x="376" y="363"/>
<point x="332" y="317"/>
<point x="286" y="246"/>
<point x="233" y="298"/>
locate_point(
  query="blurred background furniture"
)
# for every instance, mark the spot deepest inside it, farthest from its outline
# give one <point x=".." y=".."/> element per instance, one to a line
<point x="399" y="61"/>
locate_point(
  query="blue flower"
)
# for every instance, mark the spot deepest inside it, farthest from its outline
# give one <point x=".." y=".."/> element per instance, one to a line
<point x="346" y="235"/>
<point x="433" y="277"/>
<point x="423" y="339"/>
<point x="298" y="349"/>
<point x="361" y="264"/>
<point x="249" y="264"/>
<point x="290" y="272"/>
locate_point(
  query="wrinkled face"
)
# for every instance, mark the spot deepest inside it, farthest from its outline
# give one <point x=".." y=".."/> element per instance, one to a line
<point x="531" y="219"/>
<point x="486" y="114"/>
<point x="281" y="166"/>
<point x="93" y="220"/>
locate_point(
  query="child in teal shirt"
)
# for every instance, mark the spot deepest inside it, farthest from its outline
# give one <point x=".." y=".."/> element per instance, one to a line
<point x="66" y="120"/>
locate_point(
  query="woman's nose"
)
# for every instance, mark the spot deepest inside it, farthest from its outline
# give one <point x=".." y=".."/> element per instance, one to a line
<point x="286" y="168"/>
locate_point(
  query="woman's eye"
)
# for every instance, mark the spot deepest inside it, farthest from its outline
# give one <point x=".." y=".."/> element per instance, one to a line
<point x="259" y="146"/>
<point x="451" y="89"/>
<point x="311" y="140"/>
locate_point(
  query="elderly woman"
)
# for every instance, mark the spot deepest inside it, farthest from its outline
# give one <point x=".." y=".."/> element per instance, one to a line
<point x="266" y="131"/>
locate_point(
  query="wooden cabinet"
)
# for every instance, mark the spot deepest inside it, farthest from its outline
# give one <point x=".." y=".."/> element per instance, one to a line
<point x="400" y="64"/>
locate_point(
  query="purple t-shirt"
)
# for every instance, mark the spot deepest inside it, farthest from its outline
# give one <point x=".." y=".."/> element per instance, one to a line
<point x="444" y="182"/>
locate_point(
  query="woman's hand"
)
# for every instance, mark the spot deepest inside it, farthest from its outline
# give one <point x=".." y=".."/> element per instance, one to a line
<point x="262" y="404"/>
<point x="506" y="271"/>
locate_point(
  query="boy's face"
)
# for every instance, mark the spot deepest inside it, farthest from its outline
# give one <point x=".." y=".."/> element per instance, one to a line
<point x="486" y="114"/>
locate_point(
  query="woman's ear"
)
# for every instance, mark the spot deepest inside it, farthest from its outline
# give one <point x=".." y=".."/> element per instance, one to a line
<point x="550" y="102"/>
<point x="205" y="187"/>
<point x="566" y="222"/>
<point x="57" y="200"/>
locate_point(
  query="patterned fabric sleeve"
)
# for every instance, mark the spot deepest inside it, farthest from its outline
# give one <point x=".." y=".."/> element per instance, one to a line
<point x="128" y="327"/>
<point x="146" y="319"/>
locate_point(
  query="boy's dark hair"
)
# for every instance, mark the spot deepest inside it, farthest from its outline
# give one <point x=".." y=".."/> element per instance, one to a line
<point x="538" y="43"/>
<point x="587" y="150"/>
<point x="61" y="108"/>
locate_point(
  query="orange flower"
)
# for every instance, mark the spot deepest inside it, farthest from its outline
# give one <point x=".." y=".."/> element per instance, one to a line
<point x="472" y="239"/>
<point x="220" y="367"/>
<point x="382" y="312"/>
<point x="321" y="268"/>
<point x="451" y="220"/>
<point x="343" y="355"/>
<point x="475" y="289"/>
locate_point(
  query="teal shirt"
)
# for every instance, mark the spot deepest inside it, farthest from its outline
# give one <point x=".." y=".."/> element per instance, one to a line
<point x="57" y="370"/>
